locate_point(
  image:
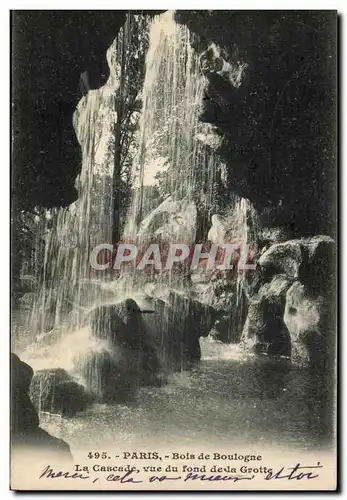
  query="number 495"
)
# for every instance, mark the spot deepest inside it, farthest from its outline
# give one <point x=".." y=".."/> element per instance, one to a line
<point x="97" y="454"/>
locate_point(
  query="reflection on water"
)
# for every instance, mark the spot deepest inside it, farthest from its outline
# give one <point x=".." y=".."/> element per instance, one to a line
<point x="228" y="398"/>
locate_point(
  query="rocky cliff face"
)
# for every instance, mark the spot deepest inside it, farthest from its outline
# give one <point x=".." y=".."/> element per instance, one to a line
<point x="51" y="49"/>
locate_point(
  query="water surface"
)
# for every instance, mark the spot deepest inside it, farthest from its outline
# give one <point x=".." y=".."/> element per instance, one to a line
<point x="229" y="398"/>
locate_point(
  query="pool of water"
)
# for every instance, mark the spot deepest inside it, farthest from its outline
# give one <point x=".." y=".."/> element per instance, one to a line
<point x="229" y="398"/>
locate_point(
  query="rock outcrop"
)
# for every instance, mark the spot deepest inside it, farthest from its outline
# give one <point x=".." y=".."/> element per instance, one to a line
<point x="132" y="335"/>
<point x="25" y="430"/>
<point x="46" y="91"/>
<point x="55" y="391"/>
<point x="291" y="301"/>
<point x="264" y="326"/>
<point x="178" y="323"/>
<point x="126" y="357"/>
<point x="108" y="374"/>
<point x="309" y="320"/>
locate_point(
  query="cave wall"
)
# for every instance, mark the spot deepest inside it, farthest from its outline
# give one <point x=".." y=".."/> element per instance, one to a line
<point x="278" y="126"/>
<point x="278" y="123"/>
<point x="50" y="50"/>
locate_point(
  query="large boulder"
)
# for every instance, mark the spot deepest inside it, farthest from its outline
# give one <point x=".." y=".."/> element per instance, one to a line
<point x="178" y="323"/>
<point x="25" y="430"/>
<point x="109" y="375"/>
<point x="308" y="260"/>
<point x="124" y="326"/>
<point x="282" y="258"/>
<point x="317" y="270"/>
<point x="106" y="324"/>
<point x="126" y="357"/>
<point x="55" y="391"/>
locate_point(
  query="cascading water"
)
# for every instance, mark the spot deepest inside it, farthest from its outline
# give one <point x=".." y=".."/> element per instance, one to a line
<point x="173" y="143"/>
<point x="66" y="290"/>
<point x="172" y="140"/>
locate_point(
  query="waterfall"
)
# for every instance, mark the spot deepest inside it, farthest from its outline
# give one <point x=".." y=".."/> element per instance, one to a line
<point x="174" y="151"/>
<point x="66" y="289"/>
<point x="173" y="143"/>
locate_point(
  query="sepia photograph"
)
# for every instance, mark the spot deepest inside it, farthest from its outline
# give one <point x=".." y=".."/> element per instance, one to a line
<point x="173" y="250"/>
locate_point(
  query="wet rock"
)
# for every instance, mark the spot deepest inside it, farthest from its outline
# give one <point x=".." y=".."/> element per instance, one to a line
<point x="57" y="392"/>
<point x="317" y="270"/>
<point x="282" y="258"/>
<point x="107" y="325"/>
<point x="310" y="325"/>
<point x="178" y="323"/>
<point x="108" y="375"/>
<point x="309" y="260"/>
<point x="124" y="325"/>
<point x="264" y="328"/>
<point x="291" y="297"/>
<point x="130" y="352"/>
<point x="25" y="430"/>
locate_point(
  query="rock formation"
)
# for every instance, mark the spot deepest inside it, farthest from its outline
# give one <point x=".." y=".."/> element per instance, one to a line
<point x="178" y="323"/>
<point x="126" y="357"/>
<point x="291" y="301"/>
<point x="264" y="86"/>
<point x="55" y="391"/>
<point x="271" y="96"/>
<point x="25" y="430"/>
